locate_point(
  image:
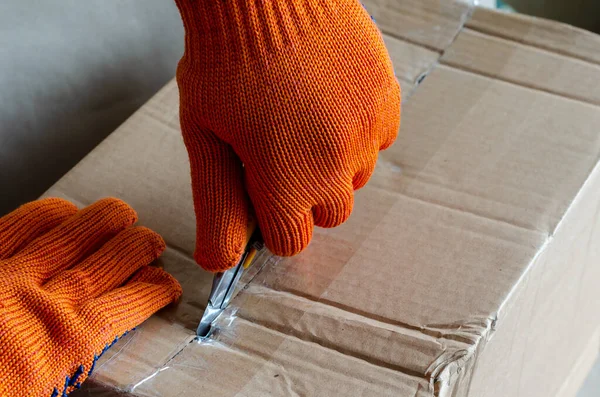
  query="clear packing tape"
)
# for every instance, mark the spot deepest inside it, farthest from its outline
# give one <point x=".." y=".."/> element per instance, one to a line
<point x="306" y="325"/>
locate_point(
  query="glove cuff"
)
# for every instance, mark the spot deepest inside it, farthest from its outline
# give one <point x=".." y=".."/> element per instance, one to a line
<point x="255" y="25"/>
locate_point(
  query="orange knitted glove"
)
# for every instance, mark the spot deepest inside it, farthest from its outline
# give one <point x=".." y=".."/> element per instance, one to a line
<point x="62" y="298"/>
<point x="303" y="94"/>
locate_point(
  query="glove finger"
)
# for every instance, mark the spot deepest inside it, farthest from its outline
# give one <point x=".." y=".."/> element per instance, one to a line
<point x="109" y="267"/>
<point x="72" y="240"/>
<point x="362" y="177"/>
<point x="124" y="308"/>
<point x="285" y="233"/>
<point x="390" y="117"/>
<point x="31" y="220"/>
<point x="365" y="167"/>
<point x="336" y="209"/>
<point x="220" y="199"/>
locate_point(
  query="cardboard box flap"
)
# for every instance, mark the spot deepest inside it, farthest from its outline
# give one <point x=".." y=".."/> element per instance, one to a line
<point x="448" y="271"/>
<point x="550" y="35"/>
<point x="493" y="149"/>
<point x="525" y="65"/>
<point x="420" y="61"/>
<point x="416" y="32"/>
<point x="429" y="23"/>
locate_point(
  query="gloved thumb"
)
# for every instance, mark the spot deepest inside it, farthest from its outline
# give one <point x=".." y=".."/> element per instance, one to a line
<point x="220" y="199"/>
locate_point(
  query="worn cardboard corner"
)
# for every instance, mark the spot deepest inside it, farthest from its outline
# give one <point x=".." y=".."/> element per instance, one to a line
<point x="469" y="265"/>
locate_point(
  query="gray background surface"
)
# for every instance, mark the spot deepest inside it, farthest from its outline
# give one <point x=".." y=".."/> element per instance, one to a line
<point x="71" y="71"/>
<point x="582" y="13"/>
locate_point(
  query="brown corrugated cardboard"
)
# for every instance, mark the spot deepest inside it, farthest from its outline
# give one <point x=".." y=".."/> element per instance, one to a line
<point x="468" y="267"/>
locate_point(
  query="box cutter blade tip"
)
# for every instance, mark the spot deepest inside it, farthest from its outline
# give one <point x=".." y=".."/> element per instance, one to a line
<point x="223" y="288"/>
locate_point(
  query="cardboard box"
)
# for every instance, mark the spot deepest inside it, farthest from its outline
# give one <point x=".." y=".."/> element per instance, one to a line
<point x="469" y="266"/>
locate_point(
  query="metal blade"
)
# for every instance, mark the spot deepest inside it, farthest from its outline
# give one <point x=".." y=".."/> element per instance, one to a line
<point x="222" y="290"/>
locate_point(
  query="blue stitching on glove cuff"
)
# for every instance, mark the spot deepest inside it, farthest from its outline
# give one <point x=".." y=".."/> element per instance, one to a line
<point x="71" y="380"/>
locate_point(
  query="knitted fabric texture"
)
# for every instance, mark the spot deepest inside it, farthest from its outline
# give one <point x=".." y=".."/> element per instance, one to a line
<point x="70" y="282"/>
<point x="284" y="107"/>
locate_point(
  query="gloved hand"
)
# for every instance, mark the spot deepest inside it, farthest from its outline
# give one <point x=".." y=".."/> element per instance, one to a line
<point x="66" y="292"/>
<point x="284" y="107"/>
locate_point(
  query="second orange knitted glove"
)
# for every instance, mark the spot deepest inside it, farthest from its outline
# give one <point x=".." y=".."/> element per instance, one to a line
<point x="284" y="107"/>
<point x="71" y="283"/>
